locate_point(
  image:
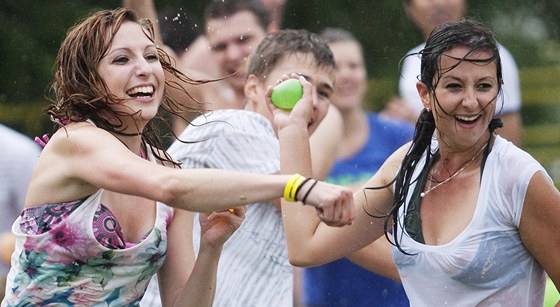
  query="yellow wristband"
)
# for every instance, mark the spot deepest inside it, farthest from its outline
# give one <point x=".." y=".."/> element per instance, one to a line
<point x="293" y="191"/>
<point x="292" y="186"/>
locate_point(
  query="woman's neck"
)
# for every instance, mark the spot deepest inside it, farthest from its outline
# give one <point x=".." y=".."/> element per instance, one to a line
<point x="133" y="142"/>
<point x="452" y="158"/>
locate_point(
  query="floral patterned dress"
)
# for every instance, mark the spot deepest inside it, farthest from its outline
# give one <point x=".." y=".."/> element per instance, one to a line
<point x="72" y="263"/>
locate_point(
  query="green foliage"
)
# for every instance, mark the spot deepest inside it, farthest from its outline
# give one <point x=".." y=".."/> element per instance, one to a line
<point x="379" y="92"/>
<point x="381" y="26"/>
<point x="31" y="32"/>
<point x="541" y="116"/>
<point x="27" y="118"/>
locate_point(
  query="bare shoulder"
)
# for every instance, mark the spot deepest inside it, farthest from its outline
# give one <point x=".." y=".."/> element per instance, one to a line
<point x="79" y="134"/>
<point x="81" y="143"/>
<point x="72" y="155"/>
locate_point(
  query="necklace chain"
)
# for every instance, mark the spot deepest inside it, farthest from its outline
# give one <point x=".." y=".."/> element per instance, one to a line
<point x="465" y="165"/>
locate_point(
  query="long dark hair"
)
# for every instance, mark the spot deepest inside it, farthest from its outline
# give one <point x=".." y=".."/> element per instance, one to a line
<point x="465" y="33"/>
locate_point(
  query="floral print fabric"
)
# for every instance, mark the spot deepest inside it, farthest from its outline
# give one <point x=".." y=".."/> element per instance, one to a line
<point x="106" y="228"/>
<point x="68" y="265"/>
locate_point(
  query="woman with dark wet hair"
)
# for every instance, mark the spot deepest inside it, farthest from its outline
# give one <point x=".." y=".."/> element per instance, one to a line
<point x="474" y="218"/>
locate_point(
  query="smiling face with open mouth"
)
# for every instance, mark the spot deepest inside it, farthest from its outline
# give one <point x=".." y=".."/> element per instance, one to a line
<point x="132" y="72"/>
<point x="464" y="98"/>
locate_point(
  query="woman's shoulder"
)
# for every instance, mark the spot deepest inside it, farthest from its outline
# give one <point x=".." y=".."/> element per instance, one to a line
<point x="79" y="146"/>
<point x="66" y="155"/>
<point x="83" y="140"/>
<point x="509" y="164"/>
<point x="509" y="154"/>
<point x="77" y="131"/>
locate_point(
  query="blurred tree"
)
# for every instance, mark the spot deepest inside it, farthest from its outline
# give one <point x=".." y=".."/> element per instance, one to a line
<point x="31" y="32"/>
<point x="381" y="26"/>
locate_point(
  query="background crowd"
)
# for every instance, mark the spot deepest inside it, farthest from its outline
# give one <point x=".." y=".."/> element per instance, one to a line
<point x="364" y="58"/>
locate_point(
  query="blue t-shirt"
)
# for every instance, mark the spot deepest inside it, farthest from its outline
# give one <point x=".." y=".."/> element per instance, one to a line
<point x="343" y="283"/>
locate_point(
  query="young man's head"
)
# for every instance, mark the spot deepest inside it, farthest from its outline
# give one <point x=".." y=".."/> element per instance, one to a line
<point x="286" y="52"/>
<point x="428" y="14"/>
<point x="234" y="28"/>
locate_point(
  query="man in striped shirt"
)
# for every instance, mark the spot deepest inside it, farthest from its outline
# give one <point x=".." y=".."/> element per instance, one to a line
<point x="254" y="269"/>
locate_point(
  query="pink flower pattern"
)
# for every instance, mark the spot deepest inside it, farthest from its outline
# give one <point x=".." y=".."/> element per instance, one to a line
<point x="67" y="264"/>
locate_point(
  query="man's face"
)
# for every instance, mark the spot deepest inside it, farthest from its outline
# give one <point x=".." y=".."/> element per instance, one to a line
<point x="232" y="41"/>
<point x="322" y="79"/>
<point x="428" y="14"/>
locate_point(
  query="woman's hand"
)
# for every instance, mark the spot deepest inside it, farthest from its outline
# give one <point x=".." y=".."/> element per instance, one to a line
<point x="218" y="227"/>
<point x="334" y="204"/>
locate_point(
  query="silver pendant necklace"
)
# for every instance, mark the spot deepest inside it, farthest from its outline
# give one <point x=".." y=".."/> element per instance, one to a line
<point x="465" y="165"/>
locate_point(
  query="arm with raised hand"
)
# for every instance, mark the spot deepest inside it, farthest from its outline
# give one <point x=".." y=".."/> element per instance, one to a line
<point x="311" y="240"/>
<point x="333" y="204"/>
<point x="186" y="280"/>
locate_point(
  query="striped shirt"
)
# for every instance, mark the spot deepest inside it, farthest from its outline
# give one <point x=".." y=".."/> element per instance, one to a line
<point x="253" y="268"/>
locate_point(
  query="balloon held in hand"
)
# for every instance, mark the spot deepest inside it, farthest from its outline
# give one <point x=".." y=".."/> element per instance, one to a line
<point x="286" y="94"/>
